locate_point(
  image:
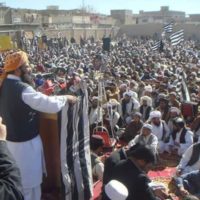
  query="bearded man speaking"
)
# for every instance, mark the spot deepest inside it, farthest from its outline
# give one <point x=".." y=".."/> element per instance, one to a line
<point x="19" y="107"/>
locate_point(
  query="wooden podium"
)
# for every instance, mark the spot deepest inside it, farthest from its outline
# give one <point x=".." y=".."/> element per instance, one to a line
<point x="51" y="187"/>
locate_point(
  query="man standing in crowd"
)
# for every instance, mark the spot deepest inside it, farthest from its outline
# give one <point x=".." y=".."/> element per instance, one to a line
<point x="10" y="180"/>
<point x="19" y="107"/>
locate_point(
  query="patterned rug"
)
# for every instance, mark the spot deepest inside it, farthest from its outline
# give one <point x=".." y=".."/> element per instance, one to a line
<point x="164" y="171"/>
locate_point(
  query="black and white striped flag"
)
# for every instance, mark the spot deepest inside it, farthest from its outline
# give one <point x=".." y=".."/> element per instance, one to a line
<point x="168" y="28"/>
<point x="156" y="46"/>
<point x="75" y="150"/>
<point x="177" y="37"/>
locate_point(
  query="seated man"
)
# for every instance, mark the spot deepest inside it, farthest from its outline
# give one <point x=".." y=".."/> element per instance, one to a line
<point x="146" y="107"/>
<point x="129" y="105"/>
<point x="190" y="160"/>
<point x="189" y="183"/>
<point x="160" y="130"/>
<point x="181" y="137"/>
<point x="146" y="138"/>
<point x="133" y="128"/>
<point x="96" y="146"/>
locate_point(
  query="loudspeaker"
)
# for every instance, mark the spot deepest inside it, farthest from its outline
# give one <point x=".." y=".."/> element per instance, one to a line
<point x="106" y="43"/>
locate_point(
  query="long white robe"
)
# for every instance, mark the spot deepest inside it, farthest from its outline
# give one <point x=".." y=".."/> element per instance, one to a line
<point x="188" y="142"/>
<point x="158" y="132"/>
<point x="185" y="159"/>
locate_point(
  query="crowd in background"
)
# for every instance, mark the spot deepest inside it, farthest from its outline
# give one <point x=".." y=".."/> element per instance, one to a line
<point x="139" y="96"/>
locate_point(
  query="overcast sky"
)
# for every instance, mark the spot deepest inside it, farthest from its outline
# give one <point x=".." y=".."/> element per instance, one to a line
<point x="104" y="6"/>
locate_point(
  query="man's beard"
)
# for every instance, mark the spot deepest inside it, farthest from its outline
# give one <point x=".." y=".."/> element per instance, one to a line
<point x="156" y="124"/>
<point x="26" y="78"/>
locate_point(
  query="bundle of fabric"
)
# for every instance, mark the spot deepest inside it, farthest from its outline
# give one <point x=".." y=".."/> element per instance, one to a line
<point x="75" y="150"/>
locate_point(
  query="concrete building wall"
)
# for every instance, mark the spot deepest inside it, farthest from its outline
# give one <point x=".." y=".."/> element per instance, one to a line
<point x="190" y="30"/>
<point x="194" y="18"/>
<point x="123" y="16"/>
<point x="97" y="33"/>
<point x="161" y="16"/>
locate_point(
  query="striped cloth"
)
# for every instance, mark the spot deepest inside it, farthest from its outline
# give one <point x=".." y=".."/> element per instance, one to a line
<point x="156" y="46"/>
<point x="177" y="37"/>
<point x="181" y="87"/>
<point x="168" y="28"/>
<point x="75" y="150"/>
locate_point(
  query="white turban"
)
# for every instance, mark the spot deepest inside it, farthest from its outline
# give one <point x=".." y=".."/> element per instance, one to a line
<point x="116" y="190"/>
<point x="148" y="88"/>
<point x="155" y="114"/>
<point x="146" y="98"/>
<point x="176" y="110"/>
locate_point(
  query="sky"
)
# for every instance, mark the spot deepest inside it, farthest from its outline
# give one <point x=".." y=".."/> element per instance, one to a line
<point x="104" y="6"/>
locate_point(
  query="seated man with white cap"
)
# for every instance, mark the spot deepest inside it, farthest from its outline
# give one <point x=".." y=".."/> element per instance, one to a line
<point x="181" y="137"/>
<point x="160" y="130"/>
<point x="146" y="138"/>
<point x="146" y="107"/>
<point x="129" y="105"/>
<point x="174" y="112"/>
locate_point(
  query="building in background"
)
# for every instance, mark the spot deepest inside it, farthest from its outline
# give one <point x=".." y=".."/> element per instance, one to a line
<point x="194" y="19"/>
<point x="162" y="16"/>
<point x="123" y="17"/>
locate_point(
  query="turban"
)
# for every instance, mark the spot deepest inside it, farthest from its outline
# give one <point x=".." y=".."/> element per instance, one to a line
<point x="12" y="62"/>
<point x="146" y="98"/>
<point x="15" y="60"/>
<point x="155" y="114"/>
<point x="176" y="110"/>
<point x="148" y="88"/>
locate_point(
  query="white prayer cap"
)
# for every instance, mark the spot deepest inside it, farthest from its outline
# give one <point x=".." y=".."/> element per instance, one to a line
<point x="148" y="126"/>
<point x="175" y="109"/>
<point x="155" y="114"/>
<point x="116" y="190"/>
<point x="148" y="88"/>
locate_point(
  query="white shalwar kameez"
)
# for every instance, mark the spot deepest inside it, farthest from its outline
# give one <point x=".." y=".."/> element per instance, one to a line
<point x="158" y="132"/>
<point x="188" y="142"/>
<point x="184" y="161"/>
